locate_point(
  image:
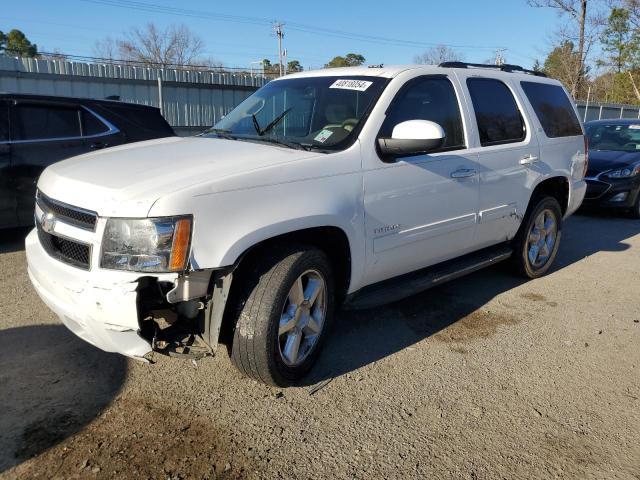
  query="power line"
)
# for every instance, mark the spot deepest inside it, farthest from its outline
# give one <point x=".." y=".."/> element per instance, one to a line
<point x="300" y="27"/>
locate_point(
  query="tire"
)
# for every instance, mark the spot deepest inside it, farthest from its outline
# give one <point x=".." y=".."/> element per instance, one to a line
<point x="527" y="261"/>
<point x="259" y="349"/>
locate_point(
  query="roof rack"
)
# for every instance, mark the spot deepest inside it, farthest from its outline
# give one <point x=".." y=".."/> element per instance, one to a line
<point x="505" y="67"/>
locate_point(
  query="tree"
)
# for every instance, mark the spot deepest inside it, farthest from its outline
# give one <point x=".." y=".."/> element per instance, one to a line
<point x="15" y="43"/>
<point x="294" y="66"/>
<point x="582" y="28"/>
<point x="633" y="7"/>
<point x="349" y="60"/>
<point x="270" y="69"/>
<point x="620" y="41"/>
<point x="439" y="54"/>
<point x="176" y="45"/>
<point x="562" y="64"/>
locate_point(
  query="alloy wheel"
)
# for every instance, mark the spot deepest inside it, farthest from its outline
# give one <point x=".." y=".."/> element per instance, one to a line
<point x="302" y="318"/>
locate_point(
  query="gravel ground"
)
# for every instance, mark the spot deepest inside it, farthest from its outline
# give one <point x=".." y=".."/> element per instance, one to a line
<point x="487" y="377"/>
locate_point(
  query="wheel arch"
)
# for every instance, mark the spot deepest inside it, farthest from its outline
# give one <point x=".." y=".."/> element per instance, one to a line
<point x="331" y="239"/>
<point x="557" y="187"/>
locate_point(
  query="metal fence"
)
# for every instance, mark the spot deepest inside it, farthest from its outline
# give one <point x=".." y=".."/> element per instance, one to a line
<point x="600" y="111"/>
<point x="191" y="99"/>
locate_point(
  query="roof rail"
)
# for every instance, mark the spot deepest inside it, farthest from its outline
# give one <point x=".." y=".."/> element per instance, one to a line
<point x="505" y="67"/>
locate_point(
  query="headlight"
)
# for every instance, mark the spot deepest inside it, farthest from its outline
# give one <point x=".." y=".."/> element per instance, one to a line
<point x="626" y="172"/>
<point x="146" y="244"/>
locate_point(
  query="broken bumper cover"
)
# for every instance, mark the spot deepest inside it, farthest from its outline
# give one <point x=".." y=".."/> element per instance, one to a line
<point x="104" y="314"/>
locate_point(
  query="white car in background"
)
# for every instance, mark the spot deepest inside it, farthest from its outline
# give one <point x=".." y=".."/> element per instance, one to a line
<point x="354" y="186"/>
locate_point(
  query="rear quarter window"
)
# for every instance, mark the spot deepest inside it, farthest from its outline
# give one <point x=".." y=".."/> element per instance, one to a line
<point x="553" y="109"/>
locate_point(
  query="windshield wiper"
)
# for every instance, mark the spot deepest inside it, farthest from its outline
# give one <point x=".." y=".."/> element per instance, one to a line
<point x="273" y="123"/>
<point x="221" y="132"/>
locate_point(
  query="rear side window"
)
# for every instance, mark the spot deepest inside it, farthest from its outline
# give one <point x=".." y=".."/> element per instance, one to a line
<point x="499" y="119"/>
<point x="428" y="98"/>
<point x="91" y="125"/>
<point x="34" y="122"/>
<point x="553" y="109"/>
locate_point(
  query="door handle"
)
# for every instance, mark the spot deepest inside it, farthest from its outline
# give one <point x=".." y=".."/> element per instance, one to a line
<point x="98" y="145"/>
<point x="528" y="160"/>
<point x="464" y="173"/>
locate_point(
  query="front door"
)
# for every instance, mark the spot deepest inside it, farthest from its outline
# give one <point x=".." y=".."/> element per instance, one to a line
<point x="421" y="210"/>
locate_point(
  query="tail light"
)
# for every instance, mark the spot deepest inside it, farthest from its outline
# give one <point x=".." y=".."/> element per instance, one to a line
<point x="586" y="156"/>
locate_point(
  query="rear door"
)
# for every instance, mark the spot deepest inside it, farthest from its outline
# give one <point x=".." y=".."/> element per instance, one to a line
<point x="7" y="190"/>
<point x="42" y="133"/>
<point x="508" y="154"/>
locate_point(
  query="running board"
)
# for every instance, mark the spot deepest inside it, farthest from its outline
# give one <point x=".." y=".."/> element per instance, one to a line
<point x="397" y="288"/>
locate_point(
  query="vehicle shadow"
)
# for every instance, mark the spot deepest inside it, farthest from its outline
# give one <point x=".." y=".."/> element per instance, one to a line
<point x="12" y="239"/>
<point x="359" y="338"/>
<point x="52" y="384"/>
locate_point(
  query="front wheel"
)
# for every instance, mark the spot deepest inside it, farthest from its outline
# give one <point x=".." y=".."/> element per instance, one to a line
<point x="536" y="244"/>
<point x="284" y="315"/>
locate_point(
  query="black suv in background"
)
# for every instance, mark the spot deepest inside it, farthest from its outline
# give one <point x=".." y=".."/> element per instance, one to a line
<point x="36" y="131"/>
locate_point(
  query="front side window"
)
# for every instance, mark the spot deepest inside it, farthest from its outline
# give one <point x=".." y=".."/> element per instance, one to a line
<point x="553" y="109"/>
<point x="499" y="119"/>
<point x="428" y="98"/>
<point x="322" y="113"/>
<point x="616" y="137"/>
<point x="33" y="122"/>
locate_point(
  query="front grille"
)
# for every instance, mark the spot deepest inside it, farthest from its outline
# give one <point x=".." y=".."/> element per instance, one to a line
<point x="76" y="216"/>
<point x="596" y="189"/>
<point x="67" y="251"/>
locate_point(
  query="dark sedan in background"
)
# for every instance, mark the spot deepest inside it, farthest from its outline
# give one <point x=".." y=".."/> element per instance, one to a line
<point x="613" y="177"/>
<point x="36" y="131"/>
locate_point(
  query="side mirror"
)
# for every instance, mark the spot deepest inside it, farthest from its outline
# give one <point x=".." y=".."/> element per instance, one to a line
<point x="412" y="137"/>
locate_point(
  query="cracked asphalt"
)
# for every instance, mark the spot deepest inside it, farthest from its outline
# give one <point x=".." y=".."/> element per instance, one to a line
<point x="486" y="377"/>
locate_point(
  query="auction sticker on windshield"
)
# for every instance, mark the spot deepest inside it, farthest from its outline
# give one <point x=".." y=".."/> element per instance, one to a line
<point x="323" y="136"/>
<point x="346" y="84"/>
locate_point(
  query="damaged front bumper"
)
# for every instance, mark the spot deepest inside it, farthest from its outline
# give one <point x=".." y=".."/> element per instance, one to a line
<point x="114" y="310"/>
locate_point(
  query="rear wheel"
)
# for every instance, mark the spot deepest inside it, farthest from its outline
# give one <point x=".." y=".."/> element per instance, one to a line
<point x="536" y="244"/>
<point x="285" y="311"/>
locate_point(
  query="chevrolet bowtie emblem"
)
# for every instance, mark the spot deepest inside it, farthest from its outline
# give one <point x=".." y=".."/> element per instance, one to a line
<point x="48" y="222"/>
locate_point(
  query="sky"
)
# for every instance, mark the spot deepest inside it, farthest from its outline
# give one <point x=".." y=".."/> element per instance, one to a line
<point x="238" y="33"/>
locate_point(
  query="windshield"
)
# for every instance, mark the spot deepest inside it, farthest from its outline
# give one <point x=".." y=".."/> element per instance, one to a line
<point x="622" y="138"/>
<point x="322" y="113"/>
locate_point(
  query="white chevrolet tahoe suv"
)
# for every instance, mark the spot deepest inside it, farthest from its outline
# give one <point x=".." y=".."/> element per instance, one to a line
<point x="352" y="187"/>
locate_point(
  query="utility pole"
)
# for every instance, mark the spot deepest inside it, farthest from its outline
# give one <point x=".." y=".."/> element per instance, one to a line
<point x="500" y="56"/>
<point x="277" y="27"/>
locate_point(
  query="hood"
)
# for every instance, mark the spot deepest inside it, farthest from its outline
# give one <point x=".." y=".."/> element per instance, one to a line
<point x="127" y="180"/>
<point x="603" y="160"/>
